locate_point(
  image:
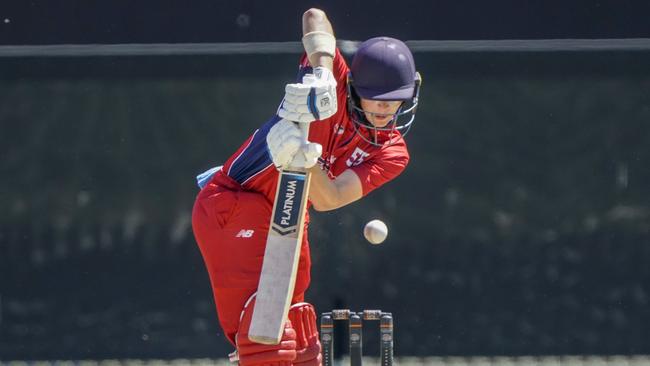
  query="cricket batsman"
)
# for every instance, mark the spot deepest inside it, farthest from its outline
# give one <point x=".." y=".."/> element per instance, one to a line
<point x="357" y="118"/>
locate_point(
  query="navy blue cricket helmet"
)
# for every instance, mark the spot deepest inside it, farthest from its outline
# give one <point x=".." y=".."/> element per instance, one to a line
<point x="383" y="69"/>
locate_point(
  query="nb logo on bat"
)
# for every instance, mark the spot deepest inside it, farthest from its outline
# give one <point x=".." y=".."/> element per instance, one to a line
<point x="285" y="219"/>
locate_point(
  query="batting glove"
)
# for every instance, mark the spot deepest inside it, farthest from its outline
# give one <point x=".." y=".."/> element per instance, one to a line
<point x="313" y="99"/>
<point x="308" y="155"/>
<point x="287" y="149"/>
<point x="283" y="141"/>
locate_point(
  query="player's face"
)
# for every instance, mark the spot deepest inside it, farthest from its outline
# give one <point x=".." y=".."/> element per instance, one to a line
<point x="380" y="112"/>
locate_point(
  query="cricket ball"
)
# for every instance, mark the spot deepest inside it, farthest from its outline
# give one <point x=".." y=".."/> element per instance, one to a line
<point x="375" y="231"/>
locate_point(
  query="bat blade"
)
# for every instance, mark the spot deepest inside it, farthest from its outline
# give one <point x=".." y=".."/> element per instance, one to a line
<point x="281" y="257"/>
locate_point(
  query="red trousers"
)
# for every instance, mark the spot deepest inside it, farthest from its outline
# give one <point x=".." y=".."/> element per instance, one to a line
<point x="230" y="226"/>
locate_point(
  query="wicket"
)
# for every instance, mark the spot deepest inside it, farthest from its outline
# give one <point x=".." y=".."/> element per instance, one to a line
<point x="355" y="322"/>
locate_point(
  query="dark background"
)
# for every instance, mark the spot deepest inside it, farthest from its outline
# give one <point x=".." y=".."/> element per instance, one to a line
<point x="124" y="21"/>
<point x="521" y="225"/>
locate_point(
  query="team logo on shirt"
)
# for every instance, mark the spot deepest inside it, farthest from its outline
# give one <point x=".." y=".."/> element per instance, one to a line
<point x="357" y="157"/>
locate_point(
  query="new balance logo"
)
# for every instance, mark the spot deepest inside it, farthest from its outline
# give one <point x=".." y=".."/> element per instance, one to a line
<point x="245" y="233"/>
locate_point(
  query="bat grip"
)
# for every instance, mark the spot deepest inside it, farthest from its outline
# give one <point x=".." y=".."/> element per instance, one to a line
<point x="304" y="129"/>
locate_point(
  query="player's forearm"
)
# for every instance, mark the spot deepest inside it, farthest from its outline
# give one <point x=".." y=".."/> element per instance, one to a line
<point x="323" y="193"/>
<point x="315" y="20"/>
<point x="327" y="194"/>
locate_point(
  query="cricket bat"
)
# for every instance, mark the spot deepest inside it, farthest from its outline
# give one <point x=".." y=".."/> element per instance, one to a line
<point x="282" y="253"/>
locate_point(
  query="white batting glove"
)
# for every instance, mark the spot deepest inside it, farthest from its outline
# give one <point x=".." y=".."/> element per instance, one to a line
<point x="313" y="99"/>
<point x="283" y="141"/>
<point x="286" y="147"/>
<point x="312" y="152"/>
<point x="308" y="155"/>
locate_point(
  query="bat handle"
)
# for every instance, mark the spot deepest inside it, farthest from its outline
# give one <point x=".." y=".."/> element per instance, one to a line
<point x="304" y="129"/>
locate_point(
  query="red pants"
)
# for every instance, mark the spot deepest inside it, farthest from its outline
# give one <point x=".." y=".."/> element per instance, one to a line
<point x="230" y="227"/>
